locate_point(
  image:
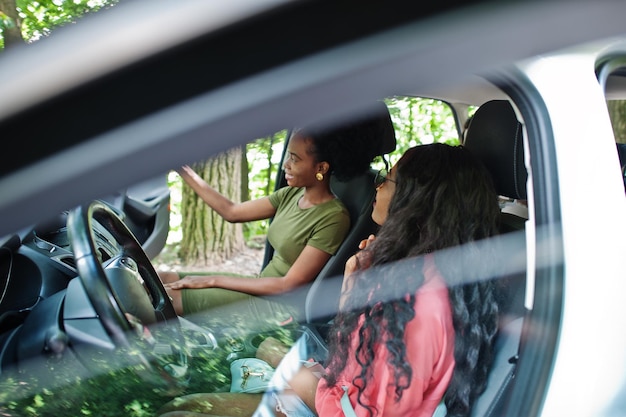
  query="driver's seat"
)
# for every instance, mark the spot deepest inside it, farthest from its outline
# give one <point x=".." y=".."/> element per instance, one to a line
<point x="318" y="301"/>
<point x="322" y="298"/>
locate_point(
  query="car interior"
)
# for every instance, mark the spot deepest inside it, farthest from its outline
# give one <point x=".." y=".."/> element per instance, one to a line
<point x="495" y="134"/>
<point x="56" y="322"/>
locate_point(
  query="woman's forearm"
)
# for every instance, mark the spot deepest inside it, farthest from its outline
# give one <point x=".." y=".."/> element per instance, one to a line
<point x="304" y="384"/>
<point x="253" y="286"/>
<point x="208" y="194"/>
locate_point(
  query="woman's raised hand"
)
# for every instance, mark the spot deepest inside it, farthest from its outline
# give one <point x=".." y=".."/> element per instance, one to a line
<point x="363" y="244"/>
<point x="356" y="260"/>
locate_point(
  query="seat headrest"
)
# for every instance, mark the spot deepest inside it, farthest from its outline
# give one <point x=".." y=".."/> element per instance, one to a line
<point x="388" y="136"/>
<point x="376" y="118"/>
<point x="495" y="136"/>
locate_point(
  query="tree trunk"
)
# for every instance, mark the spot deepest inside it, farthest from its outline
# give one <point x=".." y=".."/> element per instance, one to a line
<point x="270" y="154"/>
<point x="12" y="34"/>
<point x="617" y="112"/>
<point x="207" y="237"/>
<point x="245" y="171"/>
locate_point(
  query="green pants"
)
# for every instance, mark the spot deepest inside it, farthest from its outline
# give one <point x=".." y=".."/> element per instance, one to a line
<point x="234" y="308"/>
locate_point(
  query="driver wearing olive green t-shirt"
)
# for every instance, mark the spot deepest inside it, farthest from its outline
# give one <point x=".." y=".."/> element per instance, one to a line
<point x="309" y="222"/>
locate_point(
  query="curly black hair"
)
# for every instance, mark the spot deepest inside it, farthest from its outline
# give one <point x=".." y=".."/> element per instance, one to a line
<point x="444" y="198"/>
<point x="350" y="147"/>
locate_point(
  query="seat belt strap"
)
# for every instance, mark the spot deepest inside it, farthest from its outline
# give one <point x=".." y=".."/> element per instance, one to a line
<point x="346" y="406"/>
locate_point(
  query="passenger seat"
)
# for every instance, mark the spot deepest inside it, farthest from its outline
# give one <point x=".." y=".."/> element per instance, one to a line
<point x="495" y="136"/>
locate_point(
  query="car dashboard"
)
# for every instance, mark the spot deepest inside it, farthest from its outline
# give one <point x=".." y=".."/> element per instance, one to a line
<point x="36" y="270"/>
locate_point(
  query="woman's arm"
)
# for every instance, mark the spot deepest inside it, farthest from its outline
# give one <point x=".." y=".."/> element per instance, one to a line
<point x="304" y="384"/>
<point x="231" y="212"/>
<point x="308" y="264"/>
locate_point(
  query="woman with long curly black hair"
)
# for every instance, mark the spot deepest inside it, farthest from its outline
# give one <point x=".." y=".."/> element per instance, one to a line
<point x="417" y="317"/>
<point x="406" y="335"/>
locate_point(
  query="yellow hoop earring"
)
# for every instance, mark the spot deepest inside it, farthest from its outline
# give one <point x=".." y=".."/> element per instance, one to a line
<point x="319" y="176"/>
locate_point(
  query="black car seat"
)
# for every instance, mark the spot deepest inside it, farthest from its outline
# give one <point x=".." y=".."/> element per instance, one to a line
<point x="495" y="136"/>
<point x="318" y="301"/>
<point x="322" y="299"/>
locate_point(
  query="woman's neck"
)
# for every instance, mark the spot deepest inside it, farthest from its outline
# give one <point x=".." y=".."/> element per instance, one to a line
<point x="316" y="195"/>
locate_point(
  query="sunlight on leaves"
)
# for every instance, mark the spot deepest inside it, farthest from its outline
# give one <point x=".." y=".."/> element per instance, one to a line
<point x="138" y="409"/>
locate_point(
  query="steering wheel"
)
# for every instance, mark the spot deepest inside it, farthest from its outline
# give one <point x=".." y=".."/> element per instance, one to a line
<point x="127" y="294"/>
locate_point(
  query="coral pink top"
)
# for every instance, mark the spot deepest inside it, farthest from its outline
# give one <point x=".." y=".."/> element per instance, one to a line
<point x="430" y="351"/>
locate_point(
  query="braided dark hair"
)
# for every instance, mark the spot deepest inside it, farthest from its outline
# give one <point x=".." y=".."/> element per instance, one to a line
<point x="443" y="198"/>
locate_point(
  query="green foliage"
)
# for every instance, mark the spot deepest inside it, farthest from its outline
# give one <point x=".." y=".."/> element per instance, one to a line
<point x="264" y="157"/>
<point x="419" y="121"/>
<point x="41" y="17"/>
<point x="176" y="194"/>
<point x="123" y="391"/>
<point x="6" y="22"/>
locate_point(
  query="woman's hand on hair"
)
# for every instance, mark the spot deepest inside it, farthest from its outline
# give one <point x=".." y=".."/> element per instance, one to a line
<point x="359" y="260"/>
<point x="351" y="266"/>
<point x="348" y="279"/>
<point x="365" y="242"/>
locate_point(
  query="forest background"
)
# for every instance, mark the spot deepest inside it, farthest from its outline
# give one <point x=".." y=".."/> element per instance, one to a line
<point x="199" y="239"/>
<point x="197" y="236"/>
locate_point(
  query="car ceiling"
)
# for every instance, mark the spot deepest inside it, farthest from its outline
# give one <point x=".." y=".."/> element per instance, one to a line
<point x="147" y="100"/>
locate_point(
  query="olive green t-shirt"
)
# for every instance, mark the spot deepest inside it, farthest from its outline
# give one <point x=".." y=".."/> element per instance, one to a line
<point x="323" y="226"/>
